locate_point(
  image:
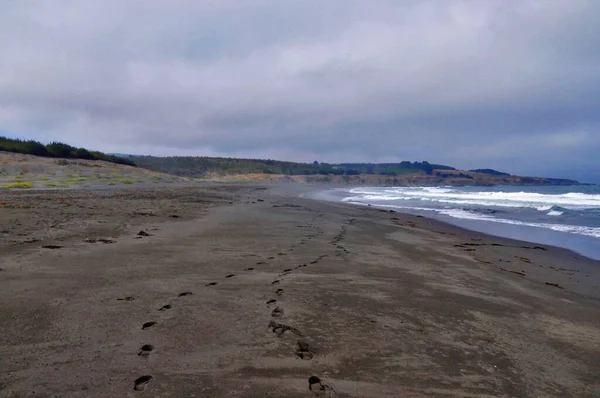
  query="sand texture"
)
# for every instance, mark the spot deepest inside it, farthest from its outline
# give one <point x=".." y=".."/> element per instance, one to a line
<point x="248" y="291"/>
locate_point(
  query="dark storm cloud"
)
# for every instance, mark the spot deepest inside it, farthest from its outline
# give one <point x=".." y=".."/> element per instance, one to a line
<point x="511" y="85"/>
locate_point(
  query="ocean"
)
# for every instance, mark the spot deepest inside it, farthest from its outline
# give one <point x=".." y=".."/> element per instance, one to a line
<point x="564" y="216"/>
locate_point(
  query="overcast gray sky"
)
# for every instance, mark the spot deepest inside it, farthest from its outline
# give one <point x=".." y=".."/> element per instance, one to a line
<point x="508" y="84"/>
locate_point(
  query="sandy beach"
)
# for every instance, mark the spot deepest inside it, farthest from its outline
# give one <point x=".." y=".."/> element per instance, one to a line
<point x="252" y="291"/>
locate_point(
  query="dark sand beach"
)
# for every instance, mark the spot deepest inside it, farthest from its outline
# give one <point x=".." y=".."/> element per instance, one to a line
<point x="249" y="291"/>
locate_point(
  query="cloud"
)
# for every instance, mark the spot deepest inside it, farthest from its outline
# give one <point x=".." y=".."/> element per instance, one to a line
<point x="474" y="84"/>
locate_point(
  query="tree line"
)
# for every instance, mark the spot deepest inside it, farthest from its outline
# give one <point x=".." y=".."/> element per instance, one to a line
<point x="57" y="150"/>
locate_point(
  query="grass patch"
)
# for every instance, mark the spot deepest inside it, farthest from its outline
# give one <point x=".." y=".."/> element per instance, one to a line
<point x="112" y="183"/>
<point x="77" y="181"/>
<point x="44" y="178"/>
<point x="18" y="185"/>
<point x="51" y="184"/>
<point x="128" y="182"/>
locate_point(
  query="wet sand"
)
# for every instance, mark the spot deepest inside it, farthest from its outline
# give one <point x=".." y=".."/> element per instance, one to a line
<point x="247" y="291"/>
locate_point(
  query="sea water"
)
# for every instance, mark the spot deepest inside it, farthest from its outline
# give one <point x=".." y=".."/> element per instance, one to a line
<point x="565" y="216"/>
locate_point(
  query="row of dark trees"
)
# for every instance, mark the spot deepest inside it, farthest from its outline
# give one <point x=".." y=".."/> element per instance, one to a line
<point x="57" y="150"/>
<point x="491" y="172"/>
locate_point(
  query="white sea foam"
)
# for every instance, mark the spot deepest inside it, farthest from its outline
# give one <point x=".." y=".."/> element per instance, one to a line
<point x="541" y="202"/>
<point x="555" y="213"/>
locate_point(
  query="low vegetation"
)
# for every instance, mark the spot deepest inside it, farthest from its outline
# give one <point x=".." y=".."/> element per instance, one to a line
<point x="190" y="166"/>
<point x="18" y="185"/>
<point x="57" y="150"/>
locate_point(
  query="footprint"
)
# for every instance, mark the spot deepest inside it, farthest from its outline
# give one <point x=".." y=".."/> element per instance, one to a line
<point x="185" y="294"/>
<point x="271" y="258"/>
<point x="275" y="282"/>
<point x="272" y="301"/>
<point x="230" y="276"/>
<point x="148" y="325"/>
<point x="316" y="385"/>
<point x="165" y="307"/>
<point x="277" y="312"/>
<point x="250" y="269"/>
<point x="312" y="380"/>
<point x="260" y="263"/>
<point x="141" y="382"/>
<point x="279" y="329"/>
<point x="288" y="270"/>
<point x="211" y="284"/>
<point x="303" y="350"/>
<point x="145" y="350"/>
<point x="128" y="298"/>
<point x="314" y="262"/>
<point x="279" y="292"/>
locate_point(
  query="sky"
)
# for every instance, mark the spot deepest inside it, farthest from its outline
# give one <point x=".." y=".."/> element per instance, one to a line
<point x="510" y="84"/>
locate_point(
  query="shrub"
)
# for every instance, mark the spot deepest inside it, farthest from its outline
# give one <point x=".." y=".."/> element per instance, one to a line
<point x="18" y="185"/>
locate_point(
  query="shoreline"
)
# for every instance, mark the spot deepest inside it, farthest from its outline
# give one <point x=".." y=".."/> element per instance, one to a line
<point x="582" y="245"/>
<point x="585" y="264"/>
<point x="225" y="290"/>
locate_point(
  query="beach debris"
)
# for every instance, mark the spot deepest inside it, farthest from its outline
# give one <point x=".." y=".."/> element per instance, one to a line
<point x="522" y="273"/>
<point x="102" y="240"/>
<point x="144" y="213"/>
<point x="524" y="259"/>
